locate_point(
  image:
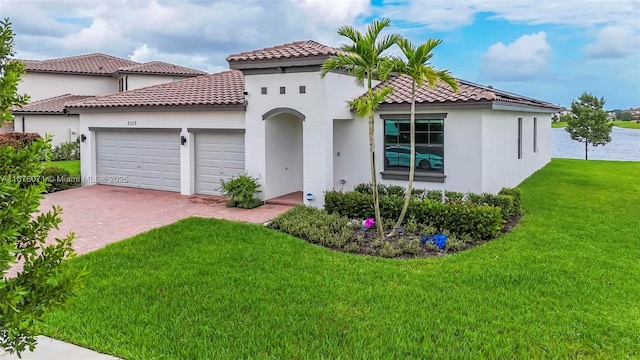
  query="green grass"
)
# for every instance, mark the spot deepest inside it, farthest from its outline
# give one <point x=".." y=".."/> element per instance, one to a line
<point x="73" y="166"/>
<point x="619" y="123"/>
<point x="564" y="284"/>
<point x="626" y="124"/>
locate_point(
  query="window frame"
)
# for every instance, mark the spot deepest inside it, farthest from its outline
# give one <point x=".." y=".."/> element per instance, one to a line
<point x="519" y="138"/>
<point x="535" y="135"/>
<point x="433" y="175"/>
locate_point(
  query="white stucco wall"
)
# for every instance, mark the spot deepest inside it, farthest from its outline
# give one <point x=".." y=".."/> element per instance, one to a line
<point x="136" y="81"/>
<point x="161" y="120"/>
<point x="58" y="126"/>
<point x="462" y="153"/>
<point x="500" y="148"/>
<point x="317" y="127"/>
<point x="43" y="86"/>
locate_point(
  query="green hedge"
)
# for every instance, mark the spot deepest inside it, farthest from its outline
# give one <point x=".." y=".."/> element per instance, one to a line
<point x="59" y="179"/>
<point x="477" y="221"/>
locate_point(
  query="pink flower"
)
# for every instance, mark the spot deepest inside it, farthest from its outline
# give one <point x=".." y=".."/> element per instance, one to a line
<point x="368" y="223"/>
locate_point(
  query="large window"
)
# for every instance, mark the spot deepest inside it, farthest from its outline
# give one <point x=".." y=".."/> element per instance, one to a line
<point x="429" y="145"/>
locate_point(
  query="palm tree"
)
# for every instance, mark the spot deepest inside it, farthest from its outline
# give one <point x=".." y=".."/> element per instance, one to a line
<point x="363" y="59"/>
<point x="417" y="67"/>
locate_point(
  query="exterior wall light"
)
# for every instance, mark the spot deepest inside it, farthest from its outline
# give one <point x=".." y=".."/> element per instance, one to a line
<point x="83" y="137"/>
<point x="183" y="140"/>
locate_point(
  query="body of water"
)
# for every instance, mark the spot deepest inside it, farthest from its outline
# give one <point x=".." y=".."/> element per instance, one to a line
<point x="624" y="145"/>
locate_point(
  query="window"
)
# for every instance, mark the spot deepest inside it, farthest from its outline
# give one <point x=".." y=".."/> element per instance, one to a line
<point x="429" y="145"/>
<point x="283" y="90"/>
<point x="263" y="90"/>
<point x="303" y="89"/>
<point x="535" y="135"/>
<point x="123" y="84"/>
<point x="519" y="138"/>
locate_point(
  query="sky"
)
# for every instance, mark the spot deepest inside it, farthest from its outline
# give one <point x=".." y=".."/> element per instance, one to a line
<point x="552" y="50"/>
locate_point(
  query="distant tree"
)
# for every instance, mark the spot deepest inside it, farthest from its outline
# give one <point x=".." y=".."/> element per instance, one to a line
<point x="44" y="282"/>
<point x="623" y="115"/>
<point x="555" y="118"/>
<point x="590" y="123"/>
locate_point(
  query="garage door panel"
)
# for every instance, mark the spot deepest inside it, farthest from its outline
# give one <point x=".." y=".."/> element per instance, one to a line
<point x="218" y="156"/>
<point x="148" y="159"/>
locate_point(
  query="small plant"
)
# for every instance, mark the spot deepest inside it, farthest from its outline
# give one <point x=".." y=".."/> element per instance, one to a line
<point x="59" y="179"/>
<point x="66" y="151"/>
<point x="242" y="191"/>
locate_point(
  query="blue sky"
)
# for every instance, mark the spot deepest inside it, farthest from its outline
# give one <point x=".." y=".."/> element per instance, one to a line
<point x="551" y="50"/>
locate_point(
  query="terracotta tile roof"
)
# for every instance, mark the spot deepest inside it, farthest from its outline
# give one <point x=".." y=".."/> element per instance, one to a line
<point x="160" y="67"/>
<point x="54" y="105"/>
<point x="96" y="64"/>
<point x="298" y="49"/>
<point x="225" y="88"/>
<point x="468" y="92"/>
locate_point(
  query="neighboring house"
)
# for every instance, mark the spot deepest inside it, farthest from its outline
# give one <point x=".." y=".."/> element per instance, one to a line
<point x="49" y="81"/>
<point x="47" y="117"/>
<point x="273" y="116"/>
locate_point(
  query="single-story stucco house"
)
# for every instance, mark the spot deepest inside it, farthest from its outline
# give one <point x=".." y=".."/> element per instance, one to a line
<point x="272" y="115"/>
<point x="53" y="83"/>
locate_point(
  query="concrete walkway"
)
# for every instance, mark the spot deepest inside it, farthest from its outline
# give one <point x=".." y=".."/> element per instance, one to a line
<point x="51" y="349"/>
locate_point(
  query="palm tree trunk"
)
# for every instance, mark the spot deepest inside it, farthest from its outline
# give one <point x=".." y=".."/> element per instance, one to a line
<point x="412" y="162"/>
<point x="372" y="160"/>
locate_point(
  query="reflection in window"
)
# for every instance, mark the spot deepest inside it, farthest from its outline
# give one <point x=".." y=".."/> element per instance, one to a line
<point x="429" y="145"/>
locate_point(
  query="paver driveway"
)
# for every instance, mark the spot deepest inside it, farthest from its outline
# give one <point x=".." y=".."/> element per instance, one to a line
<point x="101" y="214"/>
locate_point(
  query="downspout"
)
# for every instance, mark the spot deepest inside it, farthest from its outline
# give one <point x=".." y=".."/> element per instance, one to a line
<point x="23" y="123"/>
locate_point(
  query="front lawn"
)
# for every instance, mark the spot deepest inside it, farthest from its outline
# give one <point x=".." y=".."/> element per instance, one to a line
<point x="72" y="166"/>
<point x="627" y="124"/>
<point x="563" y="284"/>
<point x="558" y="124"/>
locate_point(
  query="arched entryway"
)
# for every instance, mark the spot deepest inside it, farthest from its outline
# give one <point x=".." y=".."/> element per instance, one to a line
<point x="283" y="153"/>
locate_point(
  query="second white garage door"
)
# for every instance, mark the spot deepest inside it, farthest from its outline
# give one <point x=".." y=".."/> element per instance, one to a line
<point x="217" y="156"/>
<point x="146" y="159"/>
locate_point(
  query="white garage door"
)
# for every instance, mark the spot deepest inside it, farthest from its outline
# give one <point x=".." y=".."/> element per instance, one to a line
<point x="143" y="159"/>
<point x="217" y="156"/>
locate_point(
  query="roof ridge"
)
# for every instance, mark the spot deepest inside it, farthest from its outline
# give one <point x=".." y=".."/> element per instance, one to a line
<point x="86" y="56"/>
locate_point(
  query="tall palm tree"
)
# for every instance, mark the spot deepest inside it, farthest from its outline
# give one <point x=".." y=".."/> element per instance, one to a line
<point x="418" y="68"/>
<point x="363" y="59"/>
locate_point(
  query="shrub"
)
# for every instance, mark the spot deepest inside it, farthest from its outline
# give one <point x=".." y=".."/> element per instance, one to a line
<point x="454" y="196"/>
<point x="508" y="200"/>
<point x="517" y="199"/>
<point x="434" y="195"/>
<point x="18" y="140"/>
<point x="59" y="179"/>
<point x="242" y="191"/>
<point x="477" y="221"/>
<point x="66" y="151"/>
<point x="315" y="226"/>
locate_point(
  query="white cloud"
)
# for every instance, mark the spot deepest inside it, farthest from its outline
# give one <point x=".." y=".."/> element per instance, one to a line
<point x="614" y="42"/>
<point x="526" y="58"/>
<point x="144" y="53"/>
<point x="446" y="14"/>
<point x="188" y="30"/>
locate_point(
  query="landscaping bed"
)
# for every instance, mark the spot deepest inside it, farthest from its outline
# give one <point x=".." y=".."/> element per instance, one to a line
<point x="437" y="223"/>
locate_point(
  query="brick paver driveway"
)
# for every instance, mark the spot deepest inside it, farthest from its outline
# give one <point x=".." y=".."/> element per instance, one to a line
<point x="100" y="214"/>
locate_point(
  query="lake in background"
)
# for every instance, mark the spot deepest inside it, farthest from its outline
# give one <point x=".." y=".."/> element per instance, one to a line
<point x="624" y="145"/>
